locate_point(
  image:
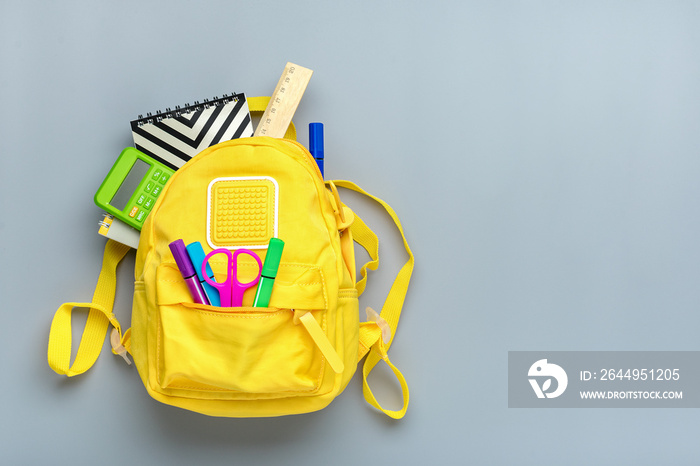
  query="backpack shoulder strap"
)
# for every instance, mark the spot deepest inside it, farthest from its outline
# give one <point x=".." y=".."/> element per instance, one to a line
<point x="99" y="317"/>
<point x="371" y="340"/>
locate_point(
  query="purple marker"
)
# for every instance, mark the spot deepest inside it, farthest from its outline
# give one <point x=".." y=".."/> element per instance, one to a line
<point x="184" y="263"/>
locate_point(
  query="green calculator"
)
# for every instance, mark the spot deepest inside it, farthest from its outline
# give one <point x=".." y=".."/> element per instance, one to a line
<point x="132" y="187"/>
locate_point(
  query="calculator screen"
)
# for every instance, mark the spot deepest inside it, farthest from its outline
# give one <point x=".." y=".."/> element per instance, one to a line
<point x="130" y="183"/>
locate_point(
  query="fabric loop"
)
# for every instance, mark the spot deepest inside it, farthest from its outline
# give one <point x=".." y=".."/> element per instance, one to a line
<point x="99" y="317"/>
<point x="366" y="238"/>
<point x="378" y="353"/>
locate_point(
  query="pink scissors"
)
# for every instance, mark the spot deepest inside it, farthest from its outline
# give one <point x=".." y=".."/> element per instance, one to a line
<point x="231" y="290"/>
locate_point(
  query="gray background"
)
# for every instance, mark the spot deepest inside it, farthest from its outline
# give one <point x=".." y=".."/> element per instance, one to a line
<point x="542" y="156"/>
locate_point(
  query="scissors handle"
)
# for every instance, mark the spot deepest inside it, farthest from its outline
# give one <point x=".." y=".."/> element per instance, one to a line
<point x="238" y="288"/>
<point x="231" y="290"/>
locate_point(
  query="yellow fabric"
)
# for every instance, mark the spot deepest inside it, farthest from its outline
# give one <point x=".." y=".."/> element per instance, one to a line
<point x="322" y="342"/>
<point x="379" y="349"/>
<point x="99" y="317"/>
<point x="369" y="241"/>
<point x="370" y="333"/>
<point x="292" y="357"/>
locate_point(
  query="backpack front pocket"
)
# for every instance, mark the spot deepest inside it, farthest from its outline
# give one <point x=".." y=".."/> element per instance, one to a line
<point x="246" y="349"/>
<point x="240" y="352"/>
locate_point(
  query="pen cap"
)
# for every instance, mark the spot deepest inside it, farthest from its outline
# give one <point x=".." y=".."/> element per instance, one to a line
<point x="272" y="258"/>
<point x="316" y="139"/>
<point x="182" y="259"/>
<point x="196" y="252"/>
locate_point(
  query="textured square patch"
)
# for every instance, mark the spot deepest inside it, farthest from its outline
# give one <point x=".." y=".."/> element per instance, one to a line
<point x="242" y="212"/>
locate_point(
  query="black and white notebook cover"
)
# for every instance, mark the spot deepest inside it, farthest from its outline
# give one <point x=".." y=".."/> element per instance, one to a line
<point x="175" y="136"/>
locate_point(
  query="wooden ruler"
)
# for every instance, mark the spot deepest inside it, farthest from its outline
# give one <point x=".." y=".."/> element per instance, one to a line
<point x="284" y="101"/>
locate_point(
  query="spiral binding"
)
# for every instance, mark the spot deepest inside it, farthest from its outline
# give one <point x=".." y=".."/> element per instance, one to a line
<point x="159" y="116"/>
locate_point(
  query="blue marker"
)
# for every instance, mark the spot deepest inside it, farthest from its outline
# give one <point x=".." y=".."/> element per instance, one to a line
<point x="316" y="143"/>
<point x="196" y="253"/>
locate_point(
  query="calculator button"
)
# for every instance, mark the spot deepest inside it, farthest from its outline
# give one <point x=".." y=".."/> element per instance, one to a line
<point x="141" y="199"/>
<point x="157" y="173"/>
<point x="141" y="216"/>
<point x="149" y="203"/>
<point x="156" y="191"/>
<point x="149" y="186"/>
<point x="164" y="177"/>
<point x="133" y="212"/>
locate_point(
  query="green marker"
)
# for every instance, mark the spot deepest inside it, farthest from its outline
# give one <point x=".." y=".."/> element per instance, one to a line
<point x="269" y="272"/>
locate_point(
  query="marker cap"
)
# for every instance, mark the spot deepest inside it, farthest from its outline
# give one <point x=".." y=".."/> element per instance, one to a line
<point x="197" y="255"/>
<point x="316" y="140"/>
<point x="272" y="258"/>
<point x="182" y="259"/>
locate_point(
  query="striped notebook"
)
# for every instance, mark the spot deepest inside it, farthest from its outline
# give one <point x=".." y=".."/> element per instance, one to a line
<point x="175" y="136"/>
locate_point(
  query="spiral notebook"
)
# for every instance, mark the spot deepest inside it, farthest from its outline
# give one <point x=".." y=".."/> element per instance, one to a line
<point x="175" y="136"/>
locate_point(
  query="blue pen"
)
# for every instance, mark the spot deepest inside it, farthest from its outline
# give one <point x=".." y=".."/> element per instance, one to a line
<point x="196" y="253"/>
<point x="316" y="143"/>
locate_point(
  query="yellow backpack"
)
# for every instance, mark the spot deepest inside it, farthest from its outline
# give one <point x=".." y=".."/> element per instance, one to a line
<point x="294" y="356"/>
